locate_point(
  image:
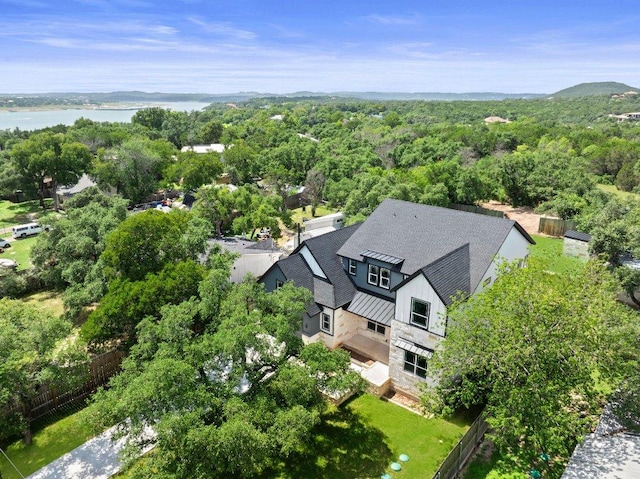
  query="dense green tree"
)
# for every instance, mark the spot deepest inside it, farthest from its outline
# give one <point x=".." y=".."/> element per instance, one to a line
<point x="152" y="118"/>
<point x="134" y="168"/>
<point x="50" y="156"/>
<point x="529" y="348"/>
<point x="192" y="170"/>
<point x="145" y="242"/>
<point x="233" y="401"/>
<point x="67" y="257"/>
<point x="210" y="132"/>
<point x="128" y="302"/>
<point x="36" y="348"/>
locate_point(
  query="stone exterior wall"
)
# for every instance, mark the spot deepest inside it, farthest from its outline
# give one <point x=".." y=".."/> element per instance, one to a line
<point x="401" y="380"/>
<point x="575" y="248"/>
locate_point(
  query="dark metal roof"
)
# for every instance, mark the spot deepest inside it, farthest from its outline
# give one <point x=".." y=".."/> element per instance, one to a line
<point x="413" y="348"/>
<point x="382" y="257"/>
<point x="423" y="234"/>
<point x="372" y="307"/>
<point x="577" y="235"/>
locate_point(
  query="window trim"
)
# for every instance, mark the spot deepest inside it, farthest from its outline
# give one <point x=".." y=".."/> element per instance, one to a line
<point x="415" y="364"/>
<point x="426" y="317"/>
<point x="329" y="319"/>
<point x="279" y="284"/>
<point x="352" y="266"/>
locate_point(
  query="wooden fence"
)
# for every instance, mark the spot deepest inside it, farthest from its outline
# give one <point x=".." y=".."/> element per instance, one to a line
<point x="555" y="226"/>
<point x="50" y="399"/>
<point x="477" y="209"/>
<point x="460" y="454"/>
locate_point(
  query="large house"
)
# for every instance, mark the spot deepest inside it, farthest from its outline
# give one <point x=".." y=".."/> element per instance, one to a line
<point x="381" y="288"/>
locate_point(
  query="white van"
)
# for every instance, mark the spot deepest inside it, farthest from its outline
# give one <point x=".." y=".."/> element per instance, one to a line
<point x="22" y="231"/>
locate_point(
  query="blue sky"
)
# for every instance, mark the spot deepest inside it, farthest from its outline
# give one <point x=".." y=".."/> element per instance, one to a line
<point x="222" y="46"/>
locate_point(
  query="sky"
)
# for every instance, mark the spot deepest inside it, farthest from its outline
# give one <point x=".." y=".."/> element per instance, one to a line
<point x="278" y="46"/>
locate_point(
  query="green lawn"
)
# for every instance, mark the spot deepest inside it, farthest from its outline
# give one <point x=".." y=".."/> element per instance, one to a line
<point x="297" y="214"/>
<point x="549" y="251"/>
<point x="17" y="213"/>
<point x="362" y="438"/>
<point x="49" y="443"/>
<point x="19" y="251"/>
<point x="623" y="195"/>
<point x="50" y="301"/>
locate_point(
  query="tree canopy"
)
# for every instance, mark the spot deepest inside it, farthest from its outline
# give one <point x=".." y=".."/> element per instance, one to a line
<point x="529" y="348"/>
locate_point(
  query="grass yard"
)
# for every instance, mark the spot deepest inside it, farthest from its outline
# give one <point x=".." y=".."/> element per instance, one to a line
<point x="297" y="214"/>
<point x="623" y="195"/>
<point x="19" y="251"/>
<point x="50" y="301"/>
<point x="17" y="213"/>
<point x="362" y="438"/>
<point x="549" y="251"/>
<point x="49" y="443"/>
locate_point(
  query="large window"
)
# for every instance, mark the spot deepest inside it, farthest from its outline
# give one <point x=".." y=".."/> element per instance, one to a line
<point x="415" y="364"/>
<point x="379" y="276"/>
<point x="353" y="266"/>
<point x="420" y="313"/>
<point x="326" y="324"/>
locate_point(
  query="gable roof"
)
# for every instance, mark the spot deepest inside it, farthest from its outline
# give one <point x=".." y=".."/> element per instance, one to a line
<point x="449" y="275"/>
<point x="422" y="234"/>
<point x="337" y="289"/>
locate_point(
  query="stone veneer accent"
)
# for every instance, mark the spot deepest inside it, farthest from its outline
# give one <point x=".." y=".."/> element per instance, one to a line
<point x="403" y="381"/>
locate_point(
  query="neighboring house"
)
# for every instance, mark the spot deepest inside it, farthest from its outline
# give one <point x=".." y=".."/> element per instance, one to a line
<point x="381" y="288"/>
<point x="576" y="244"/>
<point x="315" y="227"/>
<point x="255" y="257"/>
<point x="66" y="192"/>
<point x="200" y="149"/>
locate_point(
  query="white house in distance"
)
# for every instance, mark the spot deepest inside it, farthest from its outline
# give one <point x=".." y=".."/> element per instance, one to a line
<point x="254" y="257"/>
<point x="215" y="147"/>
<point x="381" y="288"/>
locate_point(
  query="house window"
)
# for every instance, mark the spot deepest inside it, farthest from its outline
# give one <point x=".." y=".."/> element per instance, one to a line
<point x="420" y="313"/>
<point x="279" y="284"/>
<point x="326" y="325"/>
<point x="379" y="276"/>
<point x="415" y="364"/>
<point x="376" y="327"/>
<point x="374" y="274"/>
<point x="353" y="266"/>
<point x="385" y="278"/>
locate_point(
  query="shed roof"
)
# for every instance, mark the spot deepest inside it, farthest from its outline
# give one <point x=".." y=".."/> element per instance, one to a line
<point x="577" y="235"/>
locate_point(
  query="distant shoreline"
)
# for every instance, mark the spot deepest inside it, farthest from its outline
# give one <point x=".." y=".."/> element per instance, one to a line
<point x="92" y="106"/>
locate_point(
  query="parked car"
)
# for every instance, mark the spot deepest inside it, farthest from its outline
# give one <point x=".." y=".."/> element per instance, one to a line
<point x="4" y="244"/>
<point x="29" y="229"/>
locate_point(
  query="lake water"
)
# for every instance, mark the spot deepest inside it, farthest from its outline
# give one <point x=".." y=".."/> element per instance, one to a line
<point x="32" y="120"/>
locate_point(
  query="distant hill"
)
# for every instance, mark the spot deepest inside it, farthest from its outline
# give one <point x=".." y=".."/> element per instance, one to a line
<point x="140" y="96"/>
<point x="592" y="89"/>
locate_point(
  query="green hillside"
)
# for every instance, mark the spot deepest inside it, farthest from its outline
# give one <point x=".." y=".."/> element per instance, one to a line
<point x="595" y="88"/>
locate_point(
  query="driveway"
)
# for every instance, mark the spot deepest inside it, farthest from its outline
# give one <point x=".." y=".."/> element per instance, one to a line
<point x="95" y="459"/>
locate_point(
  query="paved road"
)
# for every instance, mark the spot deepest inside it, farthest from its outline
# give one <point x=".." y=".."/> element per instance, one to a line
<point x="95" y="459"/>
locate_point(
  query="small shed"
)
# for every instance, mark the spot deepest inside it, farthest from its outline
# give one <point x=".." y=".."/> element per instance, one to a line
<point x="576" y="244"/>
